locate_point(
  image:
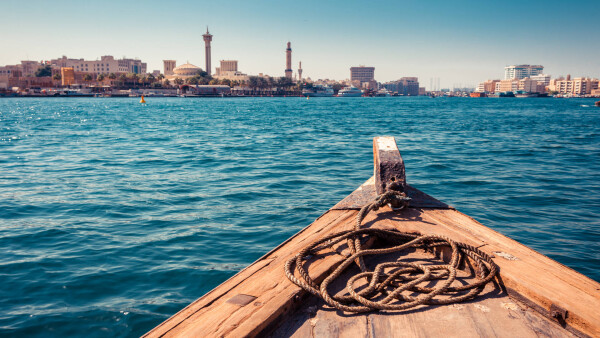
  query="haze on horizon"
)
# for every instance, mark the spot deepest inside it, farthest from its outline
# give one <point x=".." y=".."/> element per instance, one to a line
<point x="460" y="42"/>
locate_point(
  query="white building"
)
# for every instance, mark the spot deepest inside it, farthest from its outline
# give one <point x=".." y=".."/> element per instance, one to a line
<point x="106" y="64"/>
<point x="229" y="70"/>
<point x="522" y="71"/>
<point x="542" y="79"/>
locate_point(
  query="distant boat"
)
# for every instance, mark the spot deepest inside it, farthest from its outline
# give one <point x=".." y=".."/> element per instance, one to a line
<point x="506" y="94"/>
<point x="318" y="91"/>
<point x="383" y="92"/>
<point x="350" y="92"/>
<point x="477" y="94"/>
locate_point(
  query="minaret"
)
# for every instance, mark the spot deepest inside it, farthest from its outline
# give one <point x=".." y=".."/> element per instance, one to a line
<point x="300" y="72"/>
<point x="288" y="61"/>
<point x="207" y="39"/>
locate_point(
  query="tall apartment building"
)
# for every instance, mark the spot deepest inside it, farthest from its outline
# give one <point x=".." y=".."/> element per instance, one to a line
<point x="576" y="86"/>
<point x="362" y="74"/>
<point x="106" y="64"/>
<point x="522" y="71"/>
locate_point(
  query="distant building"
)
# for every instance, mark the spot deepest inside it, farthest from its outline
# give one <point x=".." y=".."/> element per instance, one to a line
<point x="576" y="86"/>
<point x="67" y="76"/>
<point x="528" y="85"/>
<point x="422" y="91"/>
<point x="28" y="68"/>
<point x="510" y="85"/>
<point x="362" y="74"/>
<point x="229" y="70"/>
<point x="168" y="66"/>
<point x="522" y="71"/>
<point x="488" y="86"/>
<point x="7" y="73"/>
<point x="207" y="39"/>
<point x="288" y="61"/>
<point x="107" y="64"/>
<point x="227" y="66"/>
<point x="542" y="79"/>
<point x="404" y="86"/>
<point x="184" y="71"/>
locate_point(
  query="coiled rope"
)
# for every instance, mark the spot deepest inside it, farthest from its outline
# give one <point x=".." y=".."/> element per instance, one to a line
<point x="394" y="289"/>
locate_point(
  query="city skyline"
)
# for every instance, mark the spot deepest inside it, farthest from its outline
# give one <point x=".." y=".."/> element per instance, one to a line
<point x="456" y="43"/>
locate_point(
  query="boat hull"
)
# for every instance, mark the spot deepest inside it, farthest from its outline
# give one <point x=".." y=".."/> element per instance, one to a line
<point x="532" y="296"/>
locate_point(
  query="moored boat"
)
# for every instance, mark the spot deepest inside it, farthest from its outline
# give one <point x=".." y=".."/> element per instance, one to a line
<point x="529" y="294"/>
<point x="477" y="94"/>
<point x="383" y="92"/>
<point x="350" y="91"/>
<point x="318" y="91"/>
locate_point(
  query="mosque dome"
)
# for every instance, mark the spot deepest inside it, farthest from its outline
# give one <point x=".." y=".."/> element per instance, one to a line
<point x="186" y="70"/>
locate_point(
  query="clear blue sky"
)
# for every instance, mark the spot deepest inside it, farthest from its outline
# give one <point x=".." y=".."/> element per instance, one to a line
<point x="461" y="42"/>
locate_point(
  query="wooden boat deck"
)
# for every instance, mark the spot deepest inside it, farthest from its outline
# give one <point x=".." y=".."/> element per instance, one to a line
<point x="532" y="296"/>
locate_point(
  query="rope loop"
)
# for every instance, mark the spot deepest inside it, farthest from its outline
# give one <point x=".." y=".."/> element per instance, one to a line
<point x="392" y="285"/>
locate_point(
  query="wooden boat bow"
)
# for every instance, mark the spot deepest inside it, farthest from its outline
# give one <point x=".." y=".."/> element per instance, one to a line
<point x="532" y="296"/>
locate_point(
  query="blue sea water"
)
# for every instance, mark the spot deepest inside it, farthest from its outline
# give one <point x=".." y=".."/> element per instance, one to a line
<point x="115" y="215"/>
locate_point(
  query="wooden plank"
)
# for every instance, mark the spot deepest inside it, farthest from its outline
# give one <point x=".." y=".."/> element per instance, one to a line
<point x="257" y="298"/>
<point x="263" y="279"/>
<point x="492" y="313"/>
<point x="366" y="193"/>
<point x="525" y="273"/>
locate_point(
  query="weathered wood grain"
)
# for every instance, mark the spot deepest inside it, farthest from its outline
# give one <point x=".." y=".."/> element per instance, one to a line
<point x="211" y="315"/>
<point x="388" y="165"/>
<point x="525" y="274"/>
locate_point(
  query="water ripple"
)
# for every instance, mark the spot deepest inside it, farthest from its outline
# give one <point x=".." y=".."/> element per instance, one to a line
<point x="115" y="215"/>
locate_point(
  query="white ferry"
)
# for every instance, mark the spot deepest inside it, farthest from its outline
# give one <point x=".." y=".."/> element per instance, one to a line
<point x="318" y="91"/>
<point x="350" y="92"/>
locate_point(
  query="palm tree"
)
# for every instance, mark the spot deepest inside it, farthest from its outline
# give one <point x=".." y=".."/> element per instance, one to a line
<point x="167" y="82"/>
<point x="112" y="76"/>
<point x="100" y="77"/>
<point x="122" y="79"/>
<point x="178" y="81"/>
<point x="160" y="77"/>
<point x="226" y="82"/>
<point x="56" y="77"/>
<point x="87" y="78"/>
<point x="192" y="80"/>
<point x="253" y="82"/>
<point x="133" y="78"/>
